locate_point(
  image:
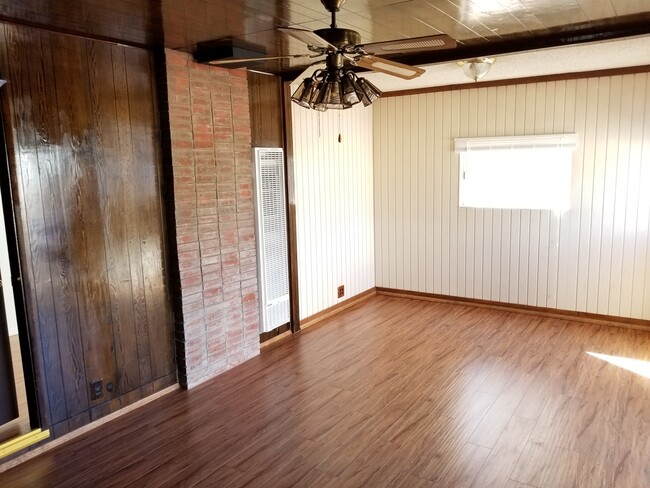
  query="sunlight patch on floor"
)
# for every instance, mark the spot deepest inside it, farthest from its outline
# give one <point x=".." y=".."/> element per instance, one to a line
<point x="637" y="366"/>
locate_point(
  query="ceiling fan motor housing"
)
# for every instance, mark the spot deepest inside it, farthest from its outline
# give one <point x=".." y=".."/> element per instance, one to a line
<point x="339" y="37"/>
<point x="334" y="63"/>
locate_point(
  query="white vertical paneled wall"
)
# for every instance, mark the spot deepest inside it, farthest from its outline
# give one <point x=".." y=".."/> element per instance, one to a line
<point x="593" y="258"/>
<point x="334" y="204"/>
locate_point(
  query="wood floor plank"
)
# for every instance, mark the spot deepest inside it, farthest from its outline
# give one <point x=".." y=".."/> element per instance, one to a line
<point x="630" y="455"/>
<point x="543" y="465"/>
<point x="392" y="392"/>
<point x="337" y="461"/>
<point x="639" y="385"/>
<point x="311" y="479"/>
<point x="577" y="423"/>
<point x="516" y="484"/>
<point x="461" y="469"/>
<point x="501" y="412"/>
<point x="361" y="469"/>
<point x="534" y="463"/>
<point x="506" y="453"/>
<point x="439" y="457"/>
<point x="575" y="469"/>
<point x="408" y="480"/>
<point x="404" y="459"/>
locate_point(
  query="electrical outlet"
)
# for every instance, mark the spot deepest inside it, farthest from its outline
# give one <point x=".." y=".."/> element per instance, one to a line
<point x="341" y="291"/>
<point x="96" y="389"/>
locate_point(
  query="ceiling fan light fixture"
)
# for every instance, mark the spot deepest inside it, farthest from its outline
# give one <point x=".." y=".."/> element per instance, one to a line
<point x="304" y="93"/>
<point x="336" y="89"/>
<point x="477" y="68"/>
<point x="318" y="100"/>
<point x="330" y="95"/>
<point x="350" y="89"/>
<point x="335" y="95"/>
<point x="370" y="92"/>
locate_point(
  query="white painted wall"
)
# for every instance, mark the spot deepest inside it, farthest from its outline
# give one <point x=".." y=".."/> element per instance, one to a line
<point x="593" y="258"/>
<point x="334" y="204"/>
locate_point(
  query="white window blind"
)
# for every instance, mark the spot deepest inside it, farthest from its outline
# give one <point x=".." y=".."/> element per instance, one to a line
<point x="517" y="172"/>
<point x="270" y="200"/>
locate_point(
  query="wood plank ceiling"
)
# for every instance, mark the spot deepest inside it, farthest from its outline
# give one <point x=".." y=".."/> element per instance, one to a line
<point x="480" y="26"/>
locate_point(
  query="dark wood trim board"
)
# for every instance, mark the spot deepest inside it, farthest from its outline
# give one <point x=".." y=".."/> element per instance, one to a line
<point x="339" y="307"/>
<point x="291" y="210"/>
<point x="573" y="315"/>
<point x="521" y="81"/>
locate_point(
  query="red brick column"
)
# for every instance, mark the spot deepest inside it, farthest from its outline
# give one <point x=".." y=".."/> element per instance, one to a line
<point x="215" y="231"/>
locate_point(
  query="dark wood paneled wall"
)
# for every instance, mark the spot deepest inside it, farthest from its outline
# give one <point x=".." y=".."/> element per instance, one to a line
<point x="265" y="95"/>
<point x="136" y="22"/>
<point x="271" y="127"/>
<point x="84" y="153"/>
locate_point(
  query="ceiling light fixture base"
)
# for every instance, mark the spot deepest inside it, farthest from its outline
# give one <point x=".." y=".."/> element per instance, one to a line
<point x="332" y="5"/>
<point x="339" y="37"/>
<point x="476" y="68"/>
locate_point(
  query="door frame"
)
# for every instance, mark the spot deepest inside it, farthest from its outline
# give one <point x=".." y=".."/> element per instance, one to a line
<point x="24" y="339"/>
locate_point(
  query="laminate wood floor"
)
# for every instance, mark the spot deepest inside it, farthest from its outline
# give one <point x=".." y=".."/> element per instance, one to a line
<point x="394" y="392"/>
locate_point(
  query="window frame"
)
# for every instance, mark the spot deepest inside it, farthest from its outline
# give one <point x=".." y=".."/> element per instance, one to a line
<point x="521" y="145"/>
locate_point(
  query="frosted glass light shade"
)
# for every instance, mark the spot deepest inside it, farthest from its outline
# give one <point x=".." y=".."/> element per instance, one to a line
<point x="476" y="69"/>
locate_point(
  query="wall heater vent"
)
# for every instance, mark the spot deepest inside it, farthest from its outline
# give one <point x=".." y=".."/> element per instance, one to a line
<point x="271" y="221"/>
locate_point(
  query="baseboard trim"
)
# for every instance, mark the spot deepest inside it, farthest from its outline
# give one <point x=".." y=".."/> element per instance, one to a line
<point x="572" y="315"/>
<point x="86" y="428"/>
<point x="275" y="341"/>
<point x="272" y="334"/>
<point x="339" y="307"/>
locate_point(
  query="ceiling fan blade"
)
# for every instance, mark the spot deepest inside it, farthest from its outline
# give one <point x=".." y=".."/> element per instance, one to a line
<point x="389" y="67"/>
<point x="414" y="44"/>
<point x="219" y="62"/>
<point x="308" y="37"/>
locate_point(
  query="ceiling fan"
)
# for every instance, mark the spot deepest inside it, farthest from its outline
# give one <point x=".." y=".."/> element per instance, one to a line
<point x="338" y="86"/>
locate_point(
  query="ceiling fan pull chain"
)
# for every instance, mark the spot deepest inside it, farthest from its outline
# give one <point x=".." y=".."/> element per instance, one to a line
<point x="340" y="136"/>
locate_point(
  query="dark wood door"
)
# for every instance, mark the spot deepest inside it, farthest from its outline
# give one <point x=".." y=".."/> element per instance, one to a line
<point x="83" y="150"/>
<point x="8" y="402"/>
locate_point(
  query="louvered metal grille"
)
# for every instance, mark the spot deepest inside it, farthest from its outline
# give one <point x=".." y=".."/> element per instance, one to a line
<point x="272" y="237"/>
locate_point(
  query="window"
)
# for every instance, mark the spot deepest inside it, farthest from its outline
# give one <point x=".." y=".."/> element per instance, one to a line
<point x="525" y="172"/>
